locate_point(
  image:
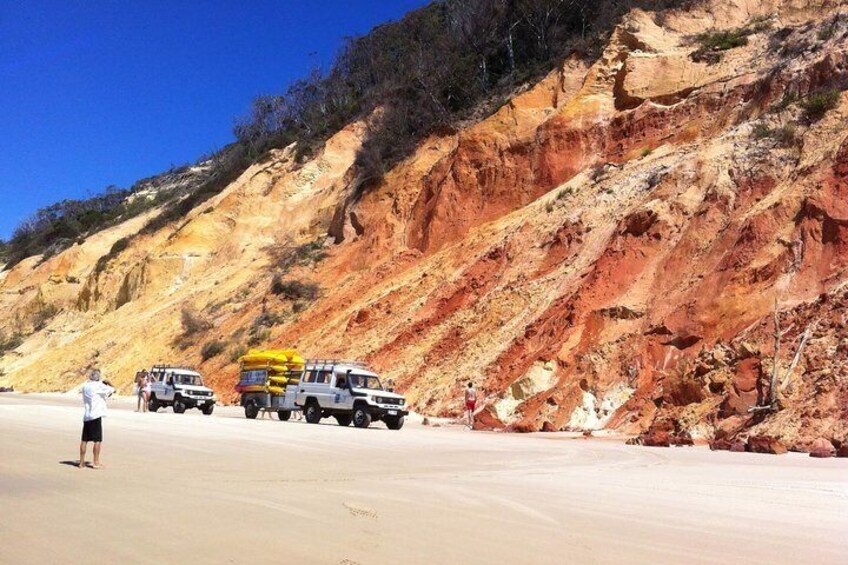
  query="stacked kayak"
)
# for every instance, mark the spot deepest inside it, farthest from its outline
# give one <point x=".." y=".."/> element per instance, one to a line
<point x="269" y="370"/>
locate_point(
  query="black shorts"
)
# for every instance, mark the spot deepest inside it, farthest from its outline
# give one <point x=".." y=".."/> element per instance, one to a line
<point x="92" y="430"/>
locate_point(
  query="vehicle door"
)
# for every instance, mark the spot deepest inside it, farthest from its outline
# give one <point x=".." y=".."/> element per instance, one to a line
<point x="157" y="386"/>
<point x="342" y="398"/>
<point x="169" y="384"/>
<point x="323" y="391"/>
<point x="305" y="387"/>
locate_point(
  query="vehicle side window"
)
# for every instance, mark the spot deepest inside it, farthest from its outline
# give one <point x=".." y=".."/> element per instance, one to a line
<point x="308" y="377"/>
<point x="320" y="377"/>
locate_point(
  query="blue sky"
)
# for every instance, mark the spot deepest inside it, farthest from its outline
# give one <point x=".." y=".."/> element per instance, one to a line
<point x="97" y="93"/>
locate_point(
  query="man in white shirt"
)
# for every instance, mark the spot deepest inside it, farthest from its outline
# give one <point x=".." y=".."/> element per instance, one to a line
<point x="94" y="395"/>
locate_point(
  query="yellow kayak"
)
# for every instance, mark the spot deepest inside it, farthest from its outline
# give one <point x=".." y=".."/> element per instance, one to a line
<point x="271" y="357"/>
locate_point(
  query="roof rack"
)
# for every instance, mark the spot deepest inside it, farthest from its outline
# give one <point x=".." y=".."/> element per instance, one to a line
<point x="319" y="361"/>
<point x="165" y="366"/>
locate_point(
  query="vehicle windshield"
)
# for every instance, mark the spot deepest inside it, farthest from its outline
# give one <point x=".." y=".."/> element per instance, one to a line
<point x="183" y="379"/>
<point x="364" y="381"/>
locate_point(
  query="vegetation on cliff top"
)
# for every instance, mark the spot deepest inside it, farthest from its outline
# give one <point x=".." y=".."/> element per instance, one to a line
<point x="448" y="62"/>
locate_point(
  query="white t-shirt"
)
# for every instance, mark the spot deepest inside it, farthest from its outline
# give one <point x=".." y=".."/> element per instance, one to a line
<point x="94" y="394"/>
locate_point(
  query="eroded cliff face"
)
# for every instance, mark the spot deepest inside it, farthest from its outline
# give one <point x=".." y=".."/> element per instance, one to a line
<point x="602" y="252"/>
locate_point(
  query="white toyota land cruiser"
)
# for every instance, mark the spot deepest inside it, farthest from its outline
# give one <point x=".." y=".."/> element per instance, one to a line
<point x="181" y="388"/>
<point x="349" y="393"/>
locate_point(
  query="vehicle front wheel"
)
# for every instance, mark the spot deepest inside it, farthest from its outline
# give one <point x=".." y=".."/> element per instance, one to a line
<point x="344" y="419"/>
<point x="283" y="415"/>
<point x="251" y="410"/>
<point x="153" y="404"/>
<point x="312" y="413"/>
<point x="394" y="422"/>
<point x="179" y="405"/>
<point x="361" y="417"/>
<point x="208" y="409"/>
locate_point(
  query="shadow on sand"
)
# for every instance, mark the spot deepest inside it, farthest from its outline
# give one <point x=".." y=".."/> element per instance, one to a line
<point x="73" y="463"/>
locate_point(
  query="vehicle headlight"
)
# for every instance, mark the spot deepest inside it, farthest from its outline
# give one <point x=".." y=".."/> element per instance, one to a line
<point x="378" y="399"/>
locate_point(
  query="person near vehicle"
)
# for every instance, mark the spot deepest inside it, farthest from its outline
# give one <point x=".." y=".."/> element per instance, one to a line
<point x="470" y="403"/>
<point x="142" y="383"/>
<point x="94" y="395"/>
<point x="148" y="389"/>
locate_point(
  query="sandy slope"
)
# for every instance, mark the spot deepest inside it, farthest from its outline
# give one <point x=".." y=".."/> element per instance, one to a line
<point x="228" y="490"/>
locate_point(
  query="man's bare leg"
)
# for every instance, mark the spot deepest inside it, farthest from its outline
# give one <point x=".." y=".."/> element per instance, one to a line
<point x="83" y="449"/>
<point x="97" y="464"/>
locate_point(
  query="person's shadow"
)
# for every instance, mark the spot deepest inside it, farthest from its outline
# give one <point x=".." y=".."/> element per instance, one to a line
<point x="73" y="463"/>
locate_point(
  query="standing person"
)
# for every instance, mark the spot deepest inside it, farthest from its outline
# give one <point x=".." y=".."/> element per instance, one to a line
<point x="148" y="388"/>
<point x="140" y="384"/>
<point x="470" y="404"/>
<point x="94" y="395"/>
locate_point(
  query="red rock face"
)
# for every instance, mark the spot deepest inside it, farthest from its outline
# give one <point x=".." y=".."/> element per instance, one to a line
<point x="765" y="444"/>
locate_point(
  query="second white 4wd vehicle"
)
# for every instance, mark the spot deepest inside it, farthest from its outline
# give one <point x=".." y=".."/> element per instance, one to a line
<point x="349" y="393"/>
<point x="181" y="388"/>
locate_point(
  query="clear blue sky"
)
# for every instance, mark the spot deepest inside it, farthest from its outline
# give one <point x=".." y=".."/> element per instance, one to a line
<point x="96" y="93"/>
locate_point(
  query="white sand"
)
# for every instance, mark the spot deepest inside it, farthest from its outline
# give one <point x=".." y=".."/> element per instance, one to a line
<point x="223" y="489"/>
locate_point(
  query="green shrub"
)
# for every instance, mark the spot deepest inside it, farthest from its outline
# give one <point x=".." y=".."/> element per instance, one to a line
<point x="43" y="315"/>
<point x="193" y="323"/>
<point x="294" y="289"/>
<point x="212" y="349"/>
<point x="761" y="131"/>
<point x="785" y="135"/>
<point x="237" y="352"/>
<point x="712" y="43"/>
<point x="827" y="31"/>
<point x="646" y="151"/>
<point x="260" y="336"/>
<point x="817" y="105"/>
<point x="9" y="343"/>
<point x="268" y="319"/>
<point x="289" y="256"/>
<point x="788" y="99"/>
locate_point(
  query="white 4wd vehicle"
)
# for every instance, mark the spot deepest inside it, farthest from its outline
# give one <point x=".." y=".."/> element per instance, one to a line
<point x="181" y="388"/>
<point x="349" y="393"/>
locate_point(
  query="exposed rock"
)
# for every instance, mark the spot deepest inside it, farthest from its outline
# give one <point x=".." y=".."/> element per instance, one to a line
<point x="765" y="444"/>
<point x="486" y="419"/>
<point x="522" y="427"/>
<point x="656" y="439"/>
<point x="547" y="426"/>
<point x="822" y="448"/>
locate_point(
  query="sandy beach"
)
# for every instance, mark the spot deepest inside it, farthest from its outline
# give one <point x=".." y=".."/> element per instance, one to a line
<point x="223" y="489"/>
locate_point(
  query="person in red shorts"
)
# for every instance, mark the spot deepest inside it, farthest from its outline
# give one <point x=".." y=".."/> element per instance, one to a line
<point x="470" y="404"/>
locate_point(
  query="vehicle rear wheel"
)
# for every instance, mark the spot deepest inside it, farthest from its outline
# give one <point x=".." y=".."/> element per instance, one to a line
<point x="361" y="417"/>
<point x="208" y="409"/>
<point x="312" y="412"/>
<point x="251" y="410"/>
<point x="394" y="422"/>
<point x="344" y="419"/>
<point x="153" y="404"/>
<point x="179" y="405"/>
<point x="283" y="415"/>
